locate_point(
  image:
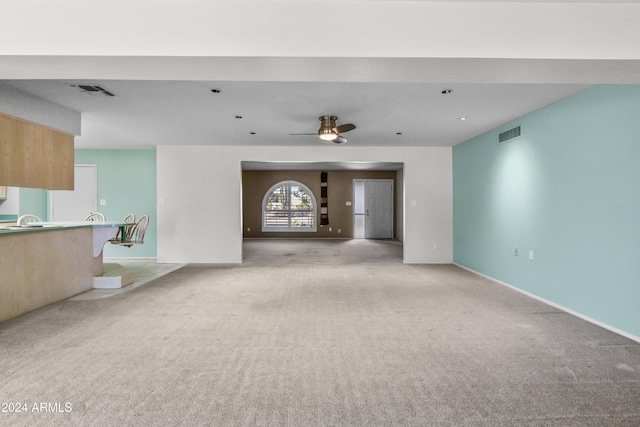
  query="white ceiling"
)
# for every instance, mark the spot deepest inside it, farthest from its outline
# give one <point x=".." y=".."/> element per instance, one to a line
<point x="146" y="113"/>
<point x="380" y="64"/>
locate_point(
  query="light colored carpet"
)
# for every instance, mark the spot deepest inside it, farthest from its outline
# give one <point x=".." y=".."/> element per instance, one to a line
<point x="317" y="333"/>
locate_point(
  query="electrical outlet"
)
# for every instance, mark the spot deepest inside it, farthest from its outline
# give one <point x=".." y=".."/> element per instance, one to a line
<point x="339" y="230"/>
<point x="531" y="255"/>
<point x="329" y="228"/>
<point x="248" y="228"/>
<point x="515" y="251"/>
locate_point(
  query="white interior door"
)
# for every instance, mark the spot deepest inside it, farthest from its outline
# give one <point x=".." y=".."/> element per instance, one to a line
<point x="77" y="204"/>
<point x="378" y="201"/>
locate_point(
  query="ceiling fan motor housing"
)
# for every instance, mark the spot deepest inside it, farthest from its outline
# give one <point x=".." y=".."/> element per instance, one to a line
<point x="327" y="130"/>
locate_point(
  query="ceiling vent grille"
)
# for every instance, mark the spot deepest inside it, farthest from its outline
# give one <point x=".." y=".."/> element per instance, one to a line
<point x="509" y="134"/>
<point x="93" y="89"/>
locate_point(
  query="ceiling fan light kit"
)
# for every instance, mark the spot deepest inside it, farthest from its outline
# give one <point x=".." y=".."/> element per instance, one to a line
<point x="327" y="135"/>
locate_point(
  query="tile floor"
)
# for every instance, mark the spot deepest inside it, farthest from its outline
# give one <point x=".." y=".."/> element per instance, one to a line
<point x="144" y="271"/>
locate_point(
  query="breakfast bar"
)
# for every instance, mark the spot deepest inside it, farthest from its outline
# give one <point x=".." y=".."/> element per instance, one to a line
<point x="48" y="262"/>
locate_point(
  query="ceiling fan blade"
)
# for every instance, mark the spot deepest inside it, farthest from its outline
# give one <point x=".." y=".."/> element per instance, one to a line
<point x="339" y="140"/>
<point x="344" y="128"/>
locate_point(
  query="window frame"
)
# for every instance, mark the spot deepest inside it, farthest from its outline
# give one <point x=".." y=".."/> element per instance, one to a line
<point x="289" y="229"/>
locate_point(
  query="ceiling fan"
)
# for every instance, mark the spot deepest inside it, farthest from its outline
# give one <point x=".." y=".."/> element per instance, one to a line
<point x="329" y="131"/>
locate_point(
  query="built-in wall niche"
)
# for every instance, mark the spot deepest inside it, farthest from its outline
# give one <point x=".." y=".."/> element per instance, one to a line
<point x="35" y="156"/>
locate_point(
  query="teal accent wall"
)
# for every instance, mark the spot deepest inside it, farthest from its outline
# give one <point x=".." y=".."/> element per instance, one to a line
<point x="33" y="201"/>
<point x="569" y="189"/>
<point x="127" y="181"/>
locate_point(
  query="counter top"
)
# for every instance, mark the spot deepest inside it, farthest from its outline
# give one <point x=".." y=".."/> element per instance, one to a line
<point x="50" y="226"/>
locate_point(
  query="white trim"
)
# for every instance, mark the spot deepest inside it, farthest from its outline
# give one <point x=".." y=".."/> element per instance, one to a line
<point x="553" y="304"/>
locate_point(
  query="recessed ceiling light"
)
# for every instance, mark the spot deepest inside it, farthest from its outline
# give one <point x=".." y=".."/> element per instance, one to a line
<point x="252" y="133"/>
<point x="238" y="117"/>
<point x="462" y="118"/>
<point x="446" y="91"/>
<point x="215" y="90"/>
<point x="398" y="133"/>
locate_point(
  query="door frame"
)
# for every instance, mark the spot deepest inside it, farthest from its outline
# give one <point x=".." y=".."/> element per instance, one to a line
<point x="393" y="204"/>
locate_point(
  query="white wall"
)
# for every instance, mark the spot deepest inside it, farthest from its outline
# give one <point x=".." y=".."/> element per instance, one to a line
<point x="590" y="42"/>
<point x="11" y="205"/>
<point x="199" y="198"/>
<point x="290" y="28"/>
<point x="29" y="107"/>
<point x="399" y="213"/>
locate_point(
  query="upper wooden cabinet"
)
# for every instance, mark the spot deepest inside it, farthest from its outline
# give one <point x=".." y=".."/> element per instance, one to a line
<point x="35" y="156"/>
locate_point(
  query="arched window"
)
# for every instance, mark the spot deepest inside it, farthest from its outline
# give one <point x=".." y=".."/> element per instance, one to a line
<point x="289" y="206"/>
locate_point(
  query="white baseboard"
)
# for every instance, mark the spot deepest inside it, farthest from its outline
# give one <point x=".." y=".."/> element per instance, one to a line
<point x="553" y="304"/>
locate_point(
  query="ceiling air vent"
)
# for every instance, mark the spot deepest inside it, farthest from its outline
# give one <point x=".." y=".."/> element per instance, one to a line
<point x="509" y="134"/>
<point x="93" y="89"/>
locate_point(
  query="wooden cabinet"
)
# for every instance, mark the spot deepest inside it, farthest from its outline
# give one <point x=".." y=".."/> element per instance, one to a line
<point x="34" y="156"/>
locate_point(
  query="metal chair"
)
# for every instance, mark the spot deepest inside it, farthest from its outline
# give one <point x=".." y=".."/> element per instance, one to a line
<point x="95" y="217"/>
<point x="136" y="235"/>
<point x="129" y="219"/>
<point x="27" y="219"/>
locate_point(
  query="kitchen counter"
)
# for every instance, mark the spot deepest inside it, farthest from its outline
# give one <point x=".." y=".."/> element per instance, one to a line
<point x="48" y="226"/>
<point x="47" y="262"/>
<point x="103" y="231"/>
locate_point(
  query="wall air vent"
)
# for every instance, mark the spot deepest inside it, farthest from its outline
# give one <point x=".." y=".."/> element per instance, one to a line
<point x="509" y="134"/>
<point x="93" y="89"/>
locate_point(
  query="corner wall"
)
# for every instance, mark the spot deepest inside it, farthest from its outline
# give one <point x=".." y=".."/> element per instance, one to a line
<point x="34" y="201"/>
<point x="127" y="181"/>
<point x="566" y="189"/>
